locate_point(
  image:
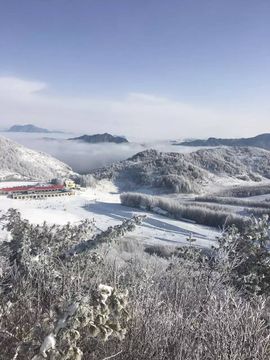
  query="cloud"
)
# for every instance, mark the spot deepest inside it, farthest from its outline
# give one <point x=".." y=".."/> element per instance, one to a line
<point x="136" y="115"/>
<point x="83" y="157"/>
<point x="13" y="87"/>
<point x="80" y="156"/>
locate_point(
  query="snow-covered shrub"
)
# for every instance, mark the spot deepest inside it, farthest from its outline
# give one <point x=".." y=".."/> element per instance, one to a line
<point x="39" y="278"/>
<point x="255" y="177"/>
<point x="232" y="201"/>
<point x="251" y="247"/>
<point x="88" y="181"/>
<point x="102" y="315"/>
<point x="189" y="306"/>
<point x="175" y="183"/>
<point x="201" y="215"/>
<point x="245" y="191"/>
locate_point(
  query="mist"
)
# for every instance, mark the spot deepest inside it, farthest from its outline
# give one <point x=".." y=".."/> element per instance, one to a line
<point x="81" y="157"/>
<point x="84" y="157"/>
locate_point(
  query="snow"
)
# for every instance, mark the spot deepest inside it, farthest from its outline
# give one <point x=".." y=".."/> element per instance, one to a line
<point x="103" y="204"/>
<point x="18" y="162"/>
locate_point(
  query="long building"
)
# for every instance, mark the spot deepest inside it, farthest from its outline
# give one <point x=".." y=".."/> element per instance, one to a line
<point x="41" y="195"/>
<point x="31" y="189"/>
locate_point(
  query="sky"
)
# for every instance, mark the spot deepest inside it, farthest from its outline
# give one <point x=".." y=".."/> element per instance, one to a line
<point x="141" y="68"/>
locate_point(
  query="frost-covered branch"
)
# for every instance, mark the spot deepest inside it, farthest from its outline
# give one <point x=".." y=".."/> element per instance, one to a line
<point x="109" y="235"/>
<point x="105" y="316"/>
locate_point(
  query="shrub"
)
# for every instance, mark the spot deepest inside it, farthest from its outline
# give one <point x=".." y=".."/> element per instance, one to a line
<point x="88" y="181"/>
<point x="251" y="247"/>
<point x="233" y="201"/>
<point x="175" y="183"/>
<point x="173" y="208"/>
<point x="195" y="305"/>
<point x="245" y="191"/>
<point x="42" y="285"/>
<point x="160" y="250"/>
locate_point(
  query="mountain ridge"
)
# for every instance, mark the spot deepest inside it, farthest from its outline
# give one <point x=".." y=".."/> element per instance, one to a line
<point x="260" y="141"/>
<point x="28" y="128"/>
<point x="100" y="138"/>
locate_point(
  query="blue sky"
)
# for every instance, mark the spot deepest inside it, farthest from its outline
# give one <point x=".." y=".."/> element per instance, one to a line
<point x="196" y="67"/>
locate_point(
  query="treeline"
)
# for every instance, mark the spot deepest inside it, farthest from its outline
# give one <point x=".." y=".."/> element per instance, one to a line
<point x="245" y="191"/>
<point x="173" y="208"/>
<point x="233" y="201"/>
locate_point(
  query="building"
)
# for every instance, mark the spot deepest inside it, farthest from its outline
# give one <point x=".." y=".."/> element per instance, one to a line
<point x="31" y="189"/>
<point x="42" y="195"/>
<point x="70" y="184"/>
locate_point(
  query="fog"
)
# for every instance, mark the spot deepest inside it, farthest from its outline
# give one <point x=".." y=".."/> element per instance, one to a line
<point x="83" y="157"/>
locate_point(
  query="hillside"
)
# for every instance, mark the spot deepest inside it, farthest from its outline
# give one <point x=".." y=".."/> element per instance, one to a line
<point x="260" y="141"/>
<point x="176" y="172"/>
<point x="101" y="138"/>
<point x="27" y="128"/>
<point x="155" y="169"/>
<point x="19" y="162"/>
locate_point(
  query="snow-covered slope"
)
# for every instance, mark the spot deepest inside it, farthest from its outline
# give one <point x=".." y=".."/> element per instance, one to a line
<point x="191" y="172"/>
<point x="102" y="203"/>
<point x="19" y="162"/>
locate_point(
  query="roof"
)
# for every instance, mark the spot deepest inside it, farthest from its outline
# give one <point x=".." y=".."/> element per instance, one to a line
<point x="32" y="188"/>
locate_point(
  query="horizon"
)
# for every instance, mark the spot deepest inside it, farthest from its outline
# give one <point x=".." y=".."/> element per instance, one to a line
<point x="134" y="139"/>
<point x="154" y="70"/>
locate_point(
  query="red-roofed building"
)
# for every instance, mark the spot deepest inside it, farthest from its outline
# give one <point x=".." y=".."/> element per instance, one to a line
<point x="30" y="189"/>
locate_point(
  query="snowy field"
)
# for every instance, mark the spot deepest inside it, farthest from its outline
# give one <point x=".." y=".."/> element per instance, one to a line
<point x="103" y="204"/>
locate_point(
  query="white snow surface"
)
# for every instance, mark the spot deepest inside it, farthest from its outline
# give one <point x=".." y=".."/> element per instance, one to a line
<point x="19" y="162"/>
<point x="102" y="203"/>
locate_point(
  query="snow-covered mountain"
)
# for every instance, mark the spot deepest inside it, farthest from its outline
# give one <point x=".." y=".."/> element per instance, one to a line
<point x="190" y="172"/>
<point x="19" y="162"/>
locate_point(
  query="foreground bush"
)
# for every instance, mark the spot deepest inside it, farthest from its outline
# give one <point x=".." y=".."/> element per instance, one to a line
<point x="42" y="279"/>
<point x="251" y="274"/>
<point x="190" y="306"/>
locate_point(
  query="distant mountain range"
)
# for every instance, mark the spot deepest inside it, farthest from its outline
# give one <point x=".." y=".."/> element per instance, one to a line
<point x="29" y="128"/>
<point x="18" y="162"/>
<point x="101" y="138"/>
<point x="260" y="141"/>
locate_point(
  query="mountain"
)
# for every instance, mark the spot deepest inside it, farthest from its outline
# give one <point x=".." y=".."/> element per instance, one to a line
<point x="189" y="172"/>
<point x="27" y="128"/>
<point x="19" y="162"/>
<point x="101" y="138"/>
<point x="260" y="141"/>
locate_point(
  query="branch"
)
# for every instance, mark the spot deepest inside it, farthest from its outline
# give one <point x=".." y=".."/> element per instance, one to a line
<point x="112" y="356"/>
